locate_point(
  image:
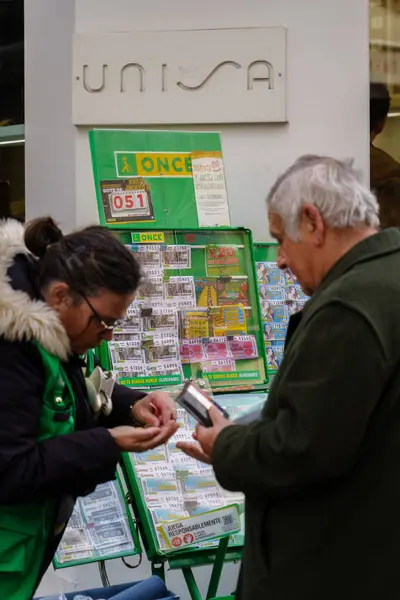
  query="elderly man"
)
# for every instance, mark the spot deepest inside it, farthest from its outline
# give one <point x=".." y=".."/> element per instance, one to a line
<point x="321" y="470"/>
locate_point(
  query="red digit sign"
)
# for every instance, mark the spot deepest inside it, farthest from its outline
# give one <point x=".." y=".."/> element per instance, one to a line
<point x="129" y="201"/>
<point x="118" y="202"/>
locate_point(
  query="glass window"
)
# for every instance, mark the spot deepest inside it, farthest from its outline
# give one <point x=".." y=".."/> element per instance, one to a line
<point x="385" y="107"/>
<point x="12" y="138"/>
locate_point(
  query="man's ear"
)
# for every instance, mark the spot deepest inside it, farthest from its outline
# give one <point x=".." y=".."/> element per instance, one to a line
<point x="312" y="224"/>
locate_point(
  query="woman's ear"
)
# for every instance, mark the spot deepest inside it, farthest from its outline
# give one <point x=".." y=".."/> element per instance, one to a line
<point x="58" y="295"/>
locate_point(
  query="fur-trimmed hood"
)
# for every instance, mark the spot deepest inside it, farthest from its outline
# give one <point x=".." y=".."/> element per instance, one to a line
<point x="21" y="317"/>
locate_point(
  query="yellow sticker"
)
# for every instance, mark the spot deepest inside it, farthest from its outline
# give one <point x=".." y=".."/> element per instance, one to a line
<point x="159" y="164"/>
<point x="150" y="237"/>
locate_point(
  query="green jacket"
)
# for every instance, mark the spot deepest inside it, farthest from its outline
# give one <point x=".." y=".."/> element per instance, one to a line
<point x="321" y="470"/>
<point x="25" y="529"/>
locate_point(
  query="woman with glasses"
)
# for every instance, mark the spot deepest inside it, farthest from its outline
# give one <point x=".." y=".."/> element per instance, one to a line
<point x="60" y="296"/>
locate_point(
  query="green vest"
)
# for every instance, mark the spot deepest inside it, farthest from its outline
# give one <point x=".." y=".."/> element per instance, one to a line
<point x="25" y="528"/>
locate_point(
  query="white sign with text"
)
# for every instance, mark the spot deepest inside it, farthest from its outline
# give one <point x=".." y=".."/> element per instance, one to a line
<point x="167" y="77"/>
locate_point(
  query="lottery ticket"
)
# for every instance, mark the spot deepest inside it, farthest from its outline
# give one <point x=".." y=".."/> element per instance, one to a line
<point x="67" y="557"/>
<point x="104" y="492"/>
<point x="109" y="534"/>
<point x="204" y="503"/>
<point x="180" y="291"/>
<point x="275" y="355"/>
<point x="229" y="320"/>
<point x="75" y="540"/>
<point x="160" y="319"/>
<point x="155" y="488"/>
<point x="122" y="352"/>
<point x="156" y="469"/>
<point x="288" y="277"/>
<point x="268" y="273"/>
<point x="218" y="366"/>
<point x="243" y="347"/>
<point x="196" y="481"/>
<point x="216" y="348"/>
<point x="195" y="323"/>
<point x="131" y="323"/>
<point x="103" y="514"/>
<point x="292" y="293"/>
<point x="183" y="435"/>
<point x="160" y="348"/>
<point x="164" y="514"/>
<point x="177" y="458"/>
<point x="117" y="549"/>
<point x="76" y="521"/>
<point x="274" y="274"/>
<point x="222" y="260"/>
<point x="129" y="371"/>
<point x="150" y="292"/>
<point x="294" y="307"/>
<point x="181" y="417"/>
<point x="192" y="351"/>
<point x="274" y="311"/>
<point x="150" y="456"/>
<point x="122" y="337"/>
<point x="176" y="257"/>
<point x="271" y="292"/>
<point x="274" y="331"/>
<point x="206" y="292"/>
<point x="147" y="255"/>
<point x="233" y="292"/>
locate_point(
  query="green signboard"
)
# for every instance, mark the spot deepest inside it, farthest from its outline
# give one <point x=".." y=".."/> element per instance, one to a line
<point x="145" y="179"/>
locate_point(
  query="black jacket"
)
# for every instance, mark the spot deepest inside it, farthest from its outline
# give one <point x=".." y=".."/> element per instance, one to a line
<point x="321" y="470"/>
<point x="64" y="467"/>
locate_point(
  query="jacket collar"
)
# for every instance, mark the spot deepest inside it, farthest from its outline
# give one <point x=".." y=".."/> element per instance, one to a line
<point x="21" y="317"/>
<point x="380" y="244"/>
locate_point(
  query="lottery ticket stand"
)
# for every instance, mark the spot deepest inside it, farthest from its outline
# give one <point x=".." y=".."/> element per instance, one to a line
<point x="196" y="316"/>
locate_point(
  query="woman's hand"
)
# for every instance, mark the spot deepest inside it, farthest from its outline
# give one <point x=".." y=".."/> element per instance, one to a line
<point x="140" y="439"/>
<point x="156" y="409"/>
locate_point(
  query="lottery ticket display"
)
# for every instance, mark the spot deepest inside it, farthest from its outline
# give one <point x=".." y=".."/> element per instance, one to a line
<point x="280" y="297"/>
<point x="173" y="486"/>
<point x="195" y="314"/>
<point x="99" y="528"/>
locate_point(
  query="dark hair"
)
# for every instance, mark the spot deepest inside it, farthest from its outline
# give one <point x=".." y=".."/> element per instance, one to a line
<point x="87" y="260"/>
<point x="388" y="195"/>
<point x="379" y="104"/>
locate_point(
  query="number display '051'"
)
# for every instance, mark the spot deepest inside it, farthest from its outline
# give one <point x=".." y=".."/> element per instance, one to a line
<point x="129" y="202"/>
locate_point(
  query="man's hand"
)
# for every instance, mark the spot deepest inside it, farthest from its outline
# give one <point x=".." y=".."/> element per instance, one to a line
<point x="138" y="439"/>
<point x="195" y="451"/>
<point x="206" y="437"/>
<point x="156" y="409"/>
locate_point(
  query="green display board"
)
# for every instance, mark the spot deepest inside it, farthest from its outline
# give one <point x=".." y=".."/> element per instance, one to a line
<point x="145" y="179"/>
<point x="101" y="528"/>
<point x="201" y="321"/>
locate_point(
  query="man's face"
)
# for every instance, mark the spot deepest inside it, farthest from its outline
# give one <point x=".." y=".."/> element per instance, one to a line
<point x="300" y="257"/>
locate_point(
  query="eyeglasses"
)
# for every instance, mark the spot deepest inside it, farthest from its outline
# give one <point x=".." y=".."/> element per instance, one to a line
<point x="95" y="315"/>
<point x="98" y="318"/>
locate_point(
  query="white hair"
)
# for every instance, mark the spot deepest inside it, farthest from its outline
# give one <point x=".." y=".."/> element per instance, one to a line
<point x="332" y="186"/>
